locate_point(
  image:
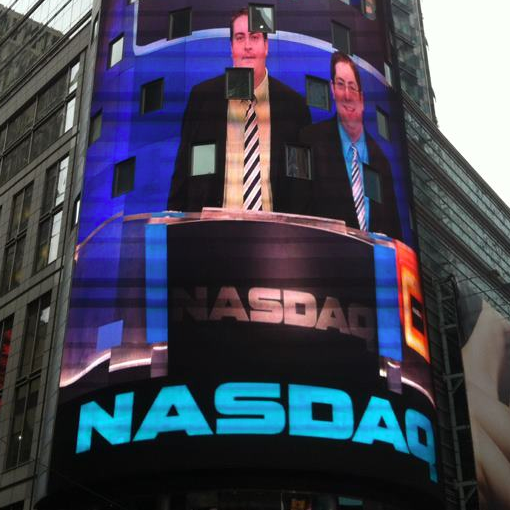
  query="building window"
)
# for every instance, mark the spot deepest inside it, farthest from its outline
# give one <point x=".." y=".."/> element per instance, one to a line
<point x="74" y="73"/>
<point x="299" y="165"/>
<point x="388" y="74"/>
<point x="12" y="271"/>
<point x="261" y="18"/>
<point x="5" y="348"/>
<point x="96" y="123"/>
<point x="37" y="126"/>
<point x="36" y="327"/>
<point x="317" y="93"/>
<point x="47" y="133"/>
<point x="23" y="422"/>
<point x="369" y="8"/>
<point x="116" y="50"/>
<point x="51" y="97"/>
<point x="15" y="160"/>
<point x="383" y="124"/>
<point x="20" y="124"/>
<point x="124" y="177"/>
<point x="203" y="159"/>
<point x="95" y="27"/>
<point x="372" y="184"/>
<point x="28" y="382"/>
<point x="51" y="214"/>
<point x="239" y="83"/>
<point x="152" y="96"/>
<point x="14" y="506"/>
<point x="3" y="132"/>
<point x="69" y="120"/>
<point x="179" y="23"/>
<point x="76" y="211"/>
<point x="341" y="37"/>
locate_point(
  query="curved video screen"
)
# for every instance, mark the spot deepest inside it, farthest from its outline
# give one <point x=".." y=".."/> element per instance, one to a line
<point x="246" y="296"/>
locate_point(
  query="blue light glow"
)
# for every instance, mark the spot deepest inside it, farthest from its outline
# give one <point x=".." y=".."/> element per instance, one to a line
<point x="115" y="429"/>
<point x="267" y="417"/>
<point x="302" y="422"/>
<point x="187" y="417"/>
<point x="156" y="290"/>
<point x="427" y="451"/>
<point x="370" y="428"/>
<point x="388" y="317"/>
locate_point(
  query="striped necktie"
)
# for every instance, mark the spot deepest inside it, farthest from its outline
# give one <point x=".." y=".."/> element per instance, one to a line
<point x="252" y="186"/>
<point x="358" y="193"/>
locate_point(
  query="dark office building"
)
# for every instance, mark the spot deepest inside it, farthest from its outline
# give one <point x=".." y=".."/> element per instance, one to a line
<point x="223" y="356"/>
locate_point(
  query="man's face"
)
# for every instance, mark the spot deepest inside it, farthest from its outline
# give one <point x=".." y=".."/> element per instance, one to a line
<point x="249" y="49"/>
<point x="348" y="97"/>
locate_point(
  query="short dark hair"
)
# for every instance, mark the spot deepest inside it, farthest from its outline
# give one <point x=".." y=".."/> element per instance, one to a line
<point x="340" y="56"/>
<point x="241" y="12"/>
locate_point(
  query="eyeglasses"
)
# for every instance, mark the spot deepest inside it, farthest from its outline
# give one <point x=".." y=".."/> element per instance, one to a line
<point x="340" y="84"/>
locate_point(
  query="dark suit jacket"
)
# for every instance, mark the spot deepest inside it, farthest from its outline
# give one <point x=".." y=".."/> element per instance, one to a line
<point x="205" y="121"/>
<point x="332" y="192"/>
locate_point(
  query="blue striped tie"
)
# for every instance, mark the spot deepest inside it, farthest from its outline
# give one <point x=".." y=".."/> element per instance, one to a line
<point x="358" y="193"/>
<point x="252" y="186"/>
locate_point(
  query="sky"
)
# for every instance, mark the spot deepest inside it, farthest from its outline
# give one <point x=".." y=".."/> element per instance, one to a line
<point x="469" y="54"/>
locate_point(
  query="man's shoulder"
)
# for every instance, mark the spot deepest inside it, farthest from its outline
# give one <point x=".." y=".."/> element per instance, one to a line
<point x="321" y="131"/>
<point x="374" y="150"/>
<point x="278" y="87"/>
<point x="212" y="85"/>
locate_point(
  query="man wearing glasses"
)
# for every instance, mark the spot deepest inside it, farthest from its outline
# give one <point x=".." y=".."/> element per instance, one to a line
<point x="352" y="177"/>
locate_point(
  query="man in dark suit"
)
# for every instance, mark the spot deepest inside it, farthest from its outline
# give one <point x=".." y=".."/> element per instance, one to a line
<point x="351" y="175"/>
<point x="213" y="121"/>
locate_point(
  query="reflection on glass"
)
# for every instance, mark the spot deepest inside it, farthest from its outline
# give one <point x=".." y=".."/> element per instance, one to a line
<point x="42" y="248"/>
<point x="369" y="9"/>
<point x="47" y="133"/>
<point x="116" y="50"/>
<point x="76" y="211"/>
<point x="20" y="212"/>
<point x="22" y="428"/>
<point x="383" y="125"/>
<point x="61" y="182"/>
<point x="239" y="83"/>
<point x="388" y="74"/>
<point x="51" y="97"/>
<point x="15" y="160"/>
<point x="317" y="93"/>
<point x="203" y="160"/>
<point x="5" y="348"/>
<point x="73" y="77"/>
<point x="36" y="34"/>
<point x="261" y="18"/>
<point x="298" y="162"/>
<point x="20" y="124"/>
<point x="55" y="235"/>
<point x="69" y="122"/>
<point x="17" y="271"/>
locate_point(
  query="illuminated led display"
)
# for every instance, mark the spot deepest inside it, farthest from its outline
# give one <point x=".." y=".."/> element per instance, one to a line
<point x="246" y="296"/>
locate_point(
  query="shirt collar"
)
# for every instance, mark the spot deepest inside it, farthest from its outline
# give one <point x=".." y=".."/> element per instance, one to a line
<point x="360" y="144"/>
<point x="262" y="91"/>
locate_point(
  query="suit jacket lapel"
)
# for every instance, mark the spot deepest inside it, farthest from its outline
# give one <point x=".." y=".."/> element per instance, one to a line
<point x="338" y="166"/>
<point x="275" y="115"/>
